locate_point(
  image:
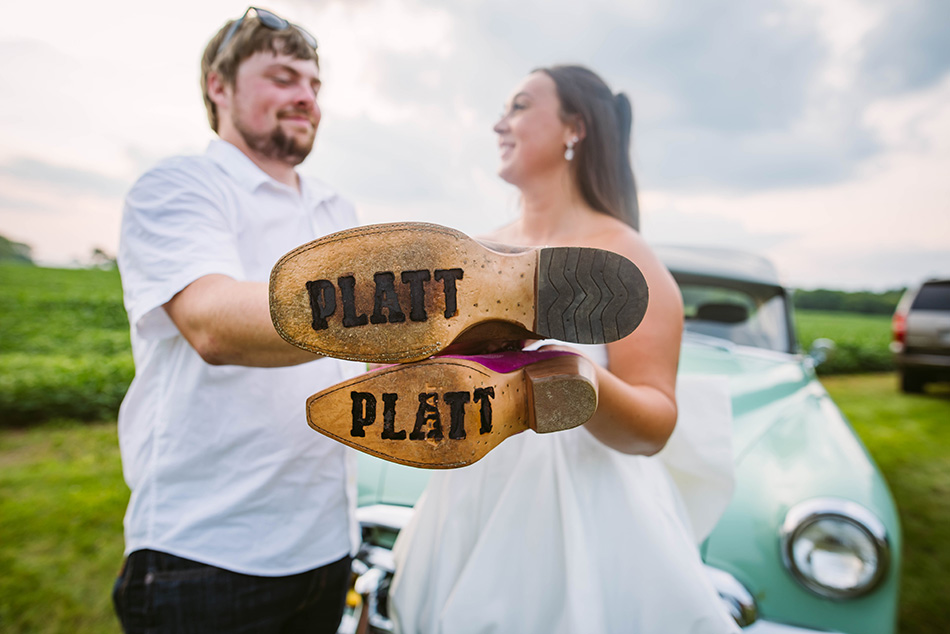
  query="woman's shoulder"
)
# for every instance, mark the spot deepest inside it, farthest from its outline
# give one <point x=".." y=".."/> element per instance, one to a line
<point x="501" y="235"/>
<point x="621" y="238"/>
<point x="617" y="236"/>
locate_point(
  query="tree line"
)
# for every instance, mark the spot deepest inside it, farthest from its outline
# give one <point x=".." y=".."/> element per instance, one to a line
<point x="865" y="302"/>
<point x="17" y="252"/>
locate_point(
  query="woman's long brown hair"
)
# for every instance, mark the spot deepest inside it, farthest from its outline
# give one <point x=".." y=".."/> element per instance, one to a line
<point x="602" y="157"/>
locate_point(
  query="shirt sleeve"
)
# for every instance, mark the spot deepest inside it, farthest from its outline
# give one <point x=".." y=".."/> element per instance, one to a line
<point x="175" y="229"/>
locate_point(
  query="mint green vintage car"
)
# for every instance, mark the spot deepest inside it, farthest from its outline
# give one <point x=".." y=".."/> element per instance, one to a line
<point x="811" y="541"/>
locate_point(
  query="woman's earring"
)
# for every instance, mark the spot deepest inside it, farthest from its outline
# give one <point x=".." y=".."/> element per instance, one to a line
<point x="569" y="152"/>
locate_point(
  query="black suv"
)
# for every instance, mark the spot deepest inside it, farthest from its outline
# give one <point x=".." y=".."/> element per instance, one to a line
<point x="921" y="329"/>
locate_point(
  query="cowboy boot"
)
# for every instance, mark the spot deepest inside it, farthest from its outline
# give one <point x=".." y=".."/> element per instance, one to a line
<point x="402" y="292"/>
<point x="449" y="411"/>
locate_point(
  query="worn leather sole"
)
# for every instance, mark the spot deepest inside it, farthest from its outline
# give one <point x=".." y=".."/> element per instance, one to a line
<point x="402" y="292"/>
<point x="448" y="412"/>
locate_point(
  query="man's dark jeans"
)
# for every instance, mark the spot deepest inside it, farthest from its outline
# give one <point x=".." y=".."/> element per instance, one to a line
<point x="157" y="593"/>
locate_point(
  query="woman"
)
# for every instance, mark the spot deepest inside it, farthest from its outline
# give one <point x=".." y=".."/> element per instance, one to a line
<point x="577" y="531"/>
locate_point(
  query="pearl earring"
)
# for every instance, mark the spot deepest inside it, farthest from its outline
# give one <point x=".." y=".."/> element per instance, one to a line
<point x="569" y="152"/>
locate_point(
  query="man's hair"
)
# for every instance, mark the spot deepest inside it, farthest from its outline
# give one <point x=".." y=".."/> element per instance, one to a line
<point x="251" y="37"/>
<point x="602" y="159"/>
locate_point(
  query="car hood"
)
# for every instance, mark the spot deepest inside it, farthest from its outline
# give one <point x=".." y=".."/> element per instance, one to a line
<point x="767" y="387"/>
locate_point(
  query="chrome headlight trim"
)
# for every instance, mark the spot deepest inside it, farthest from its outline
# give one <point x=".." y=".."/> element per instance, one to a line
<point x="805" y="514"/>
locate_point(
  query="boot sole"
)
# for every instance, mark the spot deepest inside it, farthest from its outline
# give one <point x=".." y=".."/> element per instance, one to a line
<point x="444" y="413"/>
<point x="403" y="292"/>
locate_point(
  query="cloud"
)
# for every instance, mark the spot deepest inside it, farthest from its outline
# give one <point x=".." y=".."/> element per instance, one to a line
<point x="432" y="173"/>
<point x="357" y="42"/>
<point x="381" y="162"/>
<point x="733" y="67"/>
<point x="21" y="204"/>
<point x="752" y="130"/>
<point x="804" y="128"/>
<point x="876" y="270"/>
<point x="910" y="49"/>
<point x="83" y="111"/>
<point x="62" y="178"/>
<point x="809" y="153"/>
<point x="663" y="224"/>
<point x="728" y="96"/>
<point x="743" y="65"/>
<point x="62" y="212"/>
<point x="61" y="226"/>
<point x="742" y="104"/>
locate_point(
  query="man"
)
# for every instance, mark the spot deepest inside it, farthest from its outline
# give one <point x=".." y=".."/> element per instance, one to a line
<point x="240" y="516"/>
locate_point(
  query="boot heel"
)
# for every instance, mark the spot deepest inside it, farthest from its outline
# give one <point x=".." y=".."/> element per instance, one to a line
<point x="561" y="393"/>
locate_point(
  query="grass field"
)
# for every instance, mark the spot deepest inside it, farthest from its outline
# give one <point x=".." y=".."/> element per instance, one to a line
<point x="909" y="438"/>
<point x="62" y="498"/>
<point x="64" y="354"/>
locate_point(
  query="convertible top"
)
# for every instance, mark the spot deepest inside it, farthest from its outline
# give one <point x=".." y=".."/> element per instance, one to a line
<point x="728" y="264"/>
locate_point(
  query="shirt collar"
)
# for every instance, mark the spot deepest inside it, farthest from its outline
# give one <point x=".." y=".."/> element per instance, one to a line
<point x="249" y="176"/>
<point x="315" y="191"/>
<point x="237" y="164"/>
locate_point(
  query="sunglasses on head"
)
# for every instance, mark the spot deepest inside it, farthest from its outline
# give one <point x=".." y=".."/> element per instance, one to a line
<point x="271" y="21"/>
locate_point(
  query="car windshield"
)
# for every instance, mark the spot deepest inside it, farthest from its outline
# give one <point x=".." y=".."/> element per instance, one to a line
<point x="745" y="314"/>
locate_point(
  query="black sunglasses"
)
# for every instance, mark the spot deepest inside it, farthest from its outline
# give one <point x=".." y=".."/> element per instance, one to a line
<point x="271" y="21"/>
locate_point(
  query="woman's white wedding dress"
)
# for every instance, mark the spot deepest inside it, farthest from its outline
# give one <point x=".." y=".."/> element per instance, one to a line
<point x="558" y="533"/>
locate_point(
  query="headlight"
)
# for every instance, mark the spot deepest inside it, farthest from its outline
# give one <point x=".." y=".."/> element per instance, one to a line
<point x="835" y="548"/>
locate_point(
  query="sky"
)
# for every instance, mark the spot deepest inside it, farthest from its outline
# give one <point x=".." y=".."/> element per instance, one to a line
<point x="814" y="133"/>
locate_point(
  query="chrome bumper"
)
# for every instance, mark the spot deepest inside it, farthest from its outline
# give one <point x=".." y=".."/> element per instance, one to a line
<point x="936" y="362"/>
<point x="768" y="627"/>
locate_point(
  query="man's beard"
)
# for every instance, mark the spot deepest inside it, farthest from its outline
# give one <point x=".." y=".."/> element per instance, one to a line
<point x="277" y="145"/>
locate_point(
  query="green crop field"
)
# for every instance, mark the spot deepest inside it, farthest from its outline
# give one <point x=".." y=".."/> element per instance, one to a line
<point x="861" y="340"/>
<point x="64" y="344"/>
